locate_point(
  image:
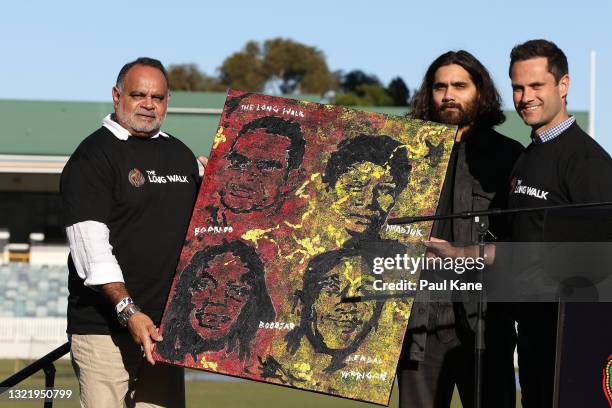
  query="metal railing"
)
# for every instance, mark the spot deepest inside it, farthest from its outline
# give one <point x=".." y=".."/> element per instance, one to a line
<point x="46" y="364"/>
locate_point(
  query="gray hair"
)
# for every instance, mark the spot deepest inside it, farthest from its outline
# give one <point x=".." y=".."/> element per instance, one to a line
<point x="148" y="62"/>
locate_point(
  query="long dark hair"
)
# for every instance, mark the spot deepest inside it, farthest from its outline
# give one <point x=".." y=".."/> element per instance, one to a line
<point x="181" y="338"/>
<point x="488" y="112"/>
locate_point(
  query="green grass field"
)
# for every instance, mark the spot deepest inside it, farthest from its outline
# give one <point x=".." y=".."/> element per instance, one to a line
<point x="213" y="394"/>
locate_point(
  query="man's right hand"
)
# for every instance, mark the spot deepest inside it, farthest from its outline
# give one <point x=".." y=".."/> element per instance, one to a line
<point x="140" y="325"/>
<point x="443" y="249"/>
<point x="144" y="333"/>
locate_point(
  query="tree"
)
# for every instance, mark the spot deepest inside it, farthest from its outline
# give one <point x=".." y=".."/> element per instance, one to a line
<point x="300" y="68"/>
<point x="364" y="89"/>
<point x="187" y="77"/>
<point x="243" y="70"/>
<point x="361" y="89"/>
<point x="352" y="80"/>
<point x="365" y="95"/>
<point x="399" y="92"/>
<point x="295" y="67"/>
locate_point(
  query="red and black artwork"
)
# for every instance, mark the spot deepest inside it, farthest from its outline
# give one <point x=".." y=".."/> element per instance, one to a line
<point x="290" y="215"/>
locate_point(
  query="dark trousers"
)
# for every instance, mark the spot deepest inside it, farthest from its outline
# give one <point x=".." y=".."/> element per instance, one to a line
<point x="537" y="331"/>
<point x="430" y="383"/>
<point x="449" y="361"/>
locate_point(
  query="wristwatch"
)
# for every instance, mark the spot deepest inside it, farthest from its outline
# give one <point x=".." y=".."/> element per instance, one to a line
<point x="126" y="313"/>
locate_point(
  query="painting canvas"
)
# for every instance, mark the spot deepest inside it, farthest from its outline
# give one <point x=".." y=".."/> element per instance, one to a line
<point x="291" y="211"/>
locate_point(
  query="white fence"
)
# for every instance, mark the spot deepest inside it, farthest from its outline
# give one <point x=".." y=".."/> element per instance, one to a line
<point x="30" y="337"/>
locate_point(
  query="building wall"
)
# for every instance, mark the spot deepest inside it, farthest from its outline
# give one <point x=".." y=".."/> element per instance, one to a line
<point x="56" y="128"/>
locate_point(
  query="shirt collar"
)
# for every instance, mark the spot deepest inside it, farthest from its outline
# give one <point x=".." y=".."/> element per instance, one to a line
<point x="120" y="132"/>
<point x="553" y="132"/>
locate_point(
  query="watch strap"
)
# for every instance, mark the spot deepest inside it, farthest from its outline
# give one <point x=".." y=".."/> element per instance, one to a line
<point x="123" y="304"/>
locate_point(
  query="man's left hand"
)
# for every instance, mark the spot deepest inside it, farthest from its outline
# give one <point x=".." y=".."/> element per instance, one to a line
<point x="203" y="160"/>
<point x="145" y="333"/>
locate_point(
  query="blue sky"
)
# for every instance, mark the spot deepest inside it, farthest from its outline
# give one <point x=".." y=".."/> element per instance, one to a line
<point x="72" y="50"/>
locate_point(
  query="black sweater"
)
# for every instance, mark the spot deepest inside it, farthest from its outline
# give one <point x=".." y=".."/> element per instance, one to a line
<point x="571" y="168"/>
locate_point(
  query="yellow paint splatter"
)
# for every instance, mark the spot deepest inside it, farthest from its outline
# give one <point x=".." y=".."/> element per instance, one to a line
<point x="310" y="246"/>
<point x="341" y="199"/>
<point x="255" y="235"/>
<point x="208" y="365"/>
<point x="377" y="173"/>
<point x="312" y="206"/>
<point x="331" y="229"/>
<point x="293" y="226"/>
<point x="352" y="277"/>
<point x="402" y="308"/>
<point x="303" y="371"/>
<point x="219" y="138"/>
<point x="418" y="150"/>
<point x="300" y="191"/>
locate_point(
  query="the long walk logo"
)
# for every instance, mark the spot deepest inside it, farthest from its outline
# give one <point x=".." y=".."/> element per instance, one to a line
<point x="137" y="179"/>
<point x="169" y="178"/>
<point x="519" y="188"/>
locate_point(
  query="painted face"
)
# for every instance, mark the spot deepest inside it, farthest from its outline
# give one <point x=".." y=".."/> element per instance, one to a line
<point x="454" y="95"/>
<point x="339" y="324"/>
<point x="218" y="295"/>
<point x="538" y="98"/>
<point x="257" y="172"/>
<point x="141" y="106"/>
<point x="365" y="195"/>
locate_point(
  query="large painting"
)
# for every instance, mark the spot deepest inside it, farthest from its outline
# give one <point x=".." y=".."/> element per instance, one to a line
<point x="291" y="212"/>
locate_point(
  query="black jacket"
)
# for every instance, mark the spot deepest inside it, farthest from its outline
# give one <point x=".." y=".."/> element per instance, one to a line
<point x="477" y="179"/>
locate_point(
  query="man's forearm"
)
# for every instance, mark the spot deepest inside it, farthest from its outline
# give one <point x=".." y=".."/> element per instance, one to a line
<point x="114" y="291"/>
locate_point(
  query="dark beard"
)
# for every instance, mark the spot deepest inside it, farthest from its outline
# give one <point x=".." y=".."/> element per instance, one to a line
<point x="465" y="115"/>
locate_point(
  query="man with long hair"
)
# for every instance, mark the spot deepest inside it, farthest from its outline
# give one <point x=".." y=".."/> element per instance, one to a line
<point x="438" y="352"/>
